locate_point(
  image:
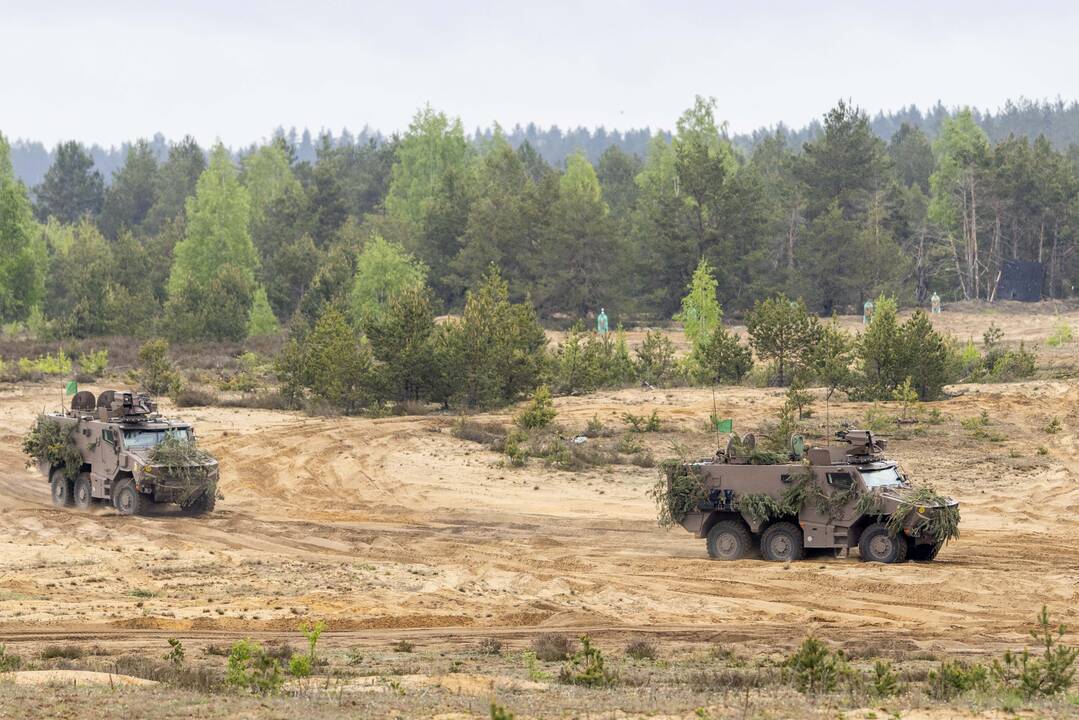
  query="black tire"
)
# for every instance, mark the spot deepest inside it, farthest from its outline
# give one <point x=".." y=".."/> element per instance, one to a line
<point x="128" y="500"/>
<point x="83" y="492"/>
<point x="782" y="542"/>
<point x="878" y="544"/>
<point x="61" y="489"/>
<point x="729" y="540"/>
<point x="924" y="553"/>
<point x="204" y="504"/>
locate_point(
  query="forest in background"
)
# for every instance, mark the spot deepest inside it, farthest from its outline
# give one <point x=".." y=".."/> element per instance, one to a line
<point x="1057" y="120"/>
<point x="204" y="243"/>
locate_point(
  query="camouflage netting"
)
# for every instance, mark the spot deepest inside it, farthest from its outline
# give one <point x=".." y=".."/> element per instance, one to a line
<point x="677" y="492"/>
<point x="762" y="507"/>
<point x="932" y="515"/>
<point x="51" y="443"/>
<point x="184" y="466"/>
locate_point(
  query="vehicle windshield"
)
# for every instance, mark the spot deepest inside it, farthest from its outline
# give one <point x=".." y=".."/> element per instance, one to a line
<point x="152" y="438"/>
<point x="882" y="477"/>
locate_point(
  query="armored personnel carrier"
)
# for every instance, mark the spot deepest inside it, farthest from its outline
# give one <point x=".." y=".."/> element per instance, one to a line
<point x="117" y="448"/>
<point x="835" y="497"/>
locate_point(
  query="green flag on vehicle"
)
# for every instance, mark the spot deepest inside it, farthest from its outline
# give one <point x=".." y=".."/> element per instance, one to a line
<point x="72" y="387"/>
<point x="725" y="425"/>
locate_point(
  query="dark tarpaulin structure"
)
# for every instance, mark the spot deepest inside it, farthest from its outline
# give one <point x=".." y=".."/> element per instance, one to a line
<point x="1020" y="280"/>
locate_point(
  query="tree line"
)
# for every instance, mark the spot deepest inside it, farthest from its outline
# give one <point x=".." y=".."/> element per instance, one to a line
<point x="1056" y="120"/>
<point x="201" y="246"/>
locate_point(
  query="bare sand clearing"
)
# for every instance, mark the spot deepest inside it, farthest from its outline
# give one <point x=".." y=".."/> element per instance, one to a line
<point x="393" y="527"/>
<point x="74" y="678"/>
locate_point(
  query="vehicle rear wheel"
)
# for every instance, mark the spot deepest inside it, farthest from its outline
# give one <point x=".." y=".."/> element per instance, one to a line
<point x="878" y="544"/>
<point x="61" y="488"/>
<point x="782" y="542"/>
<point x="728" y="540"/>
<point x="129" y="501"/>
<point x="924" y="553"/>
<point x="203" y="505"/>
<point x="83" y="492"/>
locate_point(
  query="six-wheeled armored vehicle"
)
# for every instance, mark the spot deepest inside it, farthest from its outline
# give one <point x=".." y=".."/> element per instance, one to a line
<point x="834" y="498"/>
<point x="117" y="448"/>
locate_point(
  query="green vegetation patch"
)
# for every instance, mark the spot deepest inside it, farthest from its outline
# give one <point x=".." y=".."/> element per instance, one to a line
<point x="51" y="443"/>
<point x="926" y="512"/>
<point x="678" y="492"/>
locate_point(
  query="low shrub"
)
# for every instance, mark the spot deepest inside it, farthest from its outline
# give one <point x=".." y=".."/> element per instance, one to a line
<point x="67" y="652"/>
<point x="186" y="676"/>
<point x="403" y="646"/>
<point x="814" y="668"/>
<point x="587" y="361"/>
<point x="540" y="412"/>
<point x="263" y="400"/>
<point x="156" y="374"/>
<point x="251" y="668"/>
<point x="596" y="429"/>
<point x="280" y="651"/>
<point x="1061" y="335"/>
<point x="176" y="654"/>
<point x="484" y="433"/>
<point x="94" y="363"/>
<point x="551" y="647"/>
<point x="9" y="661"/>
<point x="953" y="678"/>
<point x="641" y="650"/>
<point x="733" y="679"/>
<point x="655" y="363"/>
<point x="642" y="424"/>
<point x="195" y="397"/>
<point x="59" y="364"/>
<point x="1050" y="674"/>
<point x="587" y="667"/>
<point x="490" y="646"/>
<point x="884" y="681"/>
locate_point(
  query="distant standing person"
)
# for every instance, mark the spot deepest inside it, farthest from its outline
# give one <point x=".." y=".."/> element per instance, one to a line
<point x="601" y="322"/>
<point x="934" y="303"/>
<point x="867" y="312"/>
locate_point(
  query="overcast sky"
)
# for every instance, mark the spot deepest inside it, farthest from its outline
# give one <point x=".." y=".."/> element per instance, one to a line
<point x="108" y="71"/>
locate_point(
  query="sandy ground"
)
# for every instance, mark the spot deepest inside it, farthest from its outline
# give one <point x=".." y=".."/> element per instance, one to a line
<point x="393" y="528"/>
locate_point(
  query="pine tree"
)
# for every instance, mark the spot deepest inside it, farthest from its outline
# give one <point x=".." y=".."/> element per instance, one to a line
<point x="72" y="187"/>
<point x="782" y="330"/>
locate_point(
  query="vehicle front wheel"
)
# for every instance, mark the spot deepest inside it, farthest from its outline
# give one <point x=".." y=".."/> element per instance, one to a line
<point x="203" y="505"/>
<point x="924" y="553"/>
<point x="129" y="501"/>
<point x="728" y="540"/>
<point x="782" y="542"/>
<point x="61" y="488"/>
<point x="83" y="493"/>
<point x="878" y="544"/>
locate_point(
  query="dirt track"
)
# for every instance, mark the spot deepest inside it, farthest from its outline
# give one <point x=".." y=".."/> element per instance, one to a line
<point x="392" y="528"/>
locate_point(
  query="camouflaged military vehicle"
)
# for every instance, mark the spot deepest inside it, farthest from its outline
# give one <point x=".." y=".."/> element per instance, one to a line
<point x="117" y="448"/>
<point x="834" y="498"/>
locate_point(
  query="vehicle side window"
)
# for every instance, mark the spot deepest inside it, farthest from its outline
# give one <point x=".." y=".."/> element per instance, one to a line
<point x="108" y="437"/>
<point x="843" y="481"/>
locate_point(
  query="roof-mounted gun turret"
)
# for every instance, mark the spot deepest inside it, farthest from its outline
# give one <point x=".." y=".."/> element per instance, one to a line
<point x="115" y="405"/>
<point x="862" y="445"/>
